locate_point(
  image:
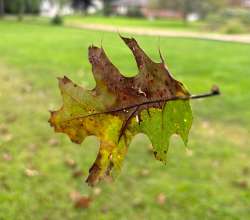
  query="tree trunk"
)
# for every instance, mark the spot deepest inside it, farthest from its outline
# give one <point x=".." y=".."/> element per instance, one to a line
<point x="21" y="9"/>
<point x="1" y="8"/>
<point x="185" y="11"/>
<point x="107" y="8"/>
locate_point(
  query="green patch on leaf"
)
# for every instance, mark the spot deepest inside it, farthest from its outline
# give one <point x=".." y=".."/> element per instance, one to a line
<point x="160" y="124"/>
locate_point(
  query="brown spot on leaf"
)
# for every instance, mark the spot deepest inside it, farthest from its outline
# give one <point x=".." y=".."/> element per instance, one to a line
<point x="65" y="80"/>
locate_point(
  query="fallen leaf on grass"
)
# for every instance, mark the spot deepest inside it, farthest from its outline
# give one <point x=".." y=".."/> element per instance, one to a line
<point x="74" y="195"/>
<point x="243" y="184"/>
<point x="80" y="201"/>
<point x="7" y="137"/>
<point x="144" y="173"/>
<point x="97" y="191"/>
<point x="10" y="118"/>
<point x="32" y="146"/>
<point x="53" y="142"/>
<point x="70" y="163"/>
<point x="42" y="94"/>
<point x="3" y="129"/>
<point x="31" y="172"/>
<point x="26" y="88"/>
<point x="215" y="163"/>
<point x="138" y="203"/>
<point x="77" y="173"/>
<point x="7" y="157"/>
<point x="246" y="170"/>
<point x="4" y="185"/>
<point x="105" y="209"/>
<point x="5" y="134"/>
<point x="161" y="199"/>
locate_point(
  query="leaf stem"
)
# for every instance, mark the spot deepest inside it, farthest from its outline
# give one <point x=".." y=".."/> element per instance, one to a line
<point x="214" y="91"/>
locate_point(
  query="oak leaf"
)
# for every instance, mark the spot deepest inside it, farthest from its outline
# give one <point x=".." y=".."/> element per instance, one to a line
<point x="119" y="107"/>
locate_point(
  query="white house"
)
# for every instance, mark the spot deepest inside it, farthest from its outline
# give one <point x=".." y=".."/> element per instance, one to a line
<point x="49" y="8"/>
<point x="122" y="7"/>
<point x="247" y="3"/>
<point x="97" y="5"/>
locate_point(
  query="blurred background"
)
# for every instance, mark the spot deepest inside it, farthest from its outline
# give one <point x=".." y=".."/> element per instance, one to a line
<point x="204" y="42"/>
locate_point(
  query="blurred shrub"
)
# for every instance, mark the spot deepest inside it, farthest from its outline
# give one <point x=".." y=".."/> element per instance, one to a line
<point x="134" y="12"/>
<point x="57" y="20"/>
<point x="230" y="21"/>
<point x="241" y="14"/>
<point x="27" y="6"/>
<point x="234" y="26"/>
<point x="214" y="22"/>
<point x="107" y="7"/>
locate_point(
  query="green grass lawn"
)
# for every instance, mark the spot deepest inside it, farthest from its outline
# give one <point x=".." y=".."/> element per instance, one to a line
<point x="172" y="24"/>
<point x="209" y="181"/>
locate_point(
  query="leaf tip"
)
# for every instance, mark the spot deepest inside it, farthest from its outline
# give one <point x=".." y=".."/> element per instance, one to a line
<point x="51" y="121"/>
<point x="93" y="177"/>
<point x="161" y="57"/>
<point x="127" y="40"/>
<point x="63" y="80"/>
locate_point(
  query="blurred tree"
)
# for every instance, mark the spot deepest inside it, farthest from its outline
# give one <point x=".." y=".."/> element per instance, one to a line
<point x="1" y="8"/>
<point x="186" y="7"/>
<point x="22" y="6"/>
<point x="57" y="19"/>
<point x="154" y="4"/>
<point x="32" y="6"/>
<point x="107" y="7"/>
<point x="62" y="3"/>
<point x="206" y="7"/>
<point x="81" y="5"/>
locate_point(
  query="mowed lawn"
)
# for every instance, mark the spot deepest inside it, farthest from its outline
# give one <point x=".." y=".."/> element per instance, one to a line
<point x="119" y="21"/>
<point x="209" y="180"/>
